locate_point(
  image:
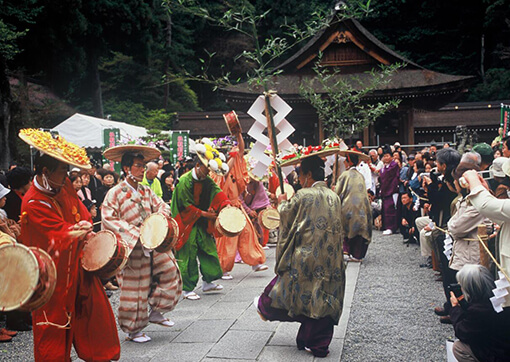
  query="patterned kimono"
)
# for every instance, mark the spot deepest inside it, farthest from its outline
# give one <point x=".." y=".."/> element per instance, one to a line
<point x="189" y="198"/>
<point x="246" y="242"/>
<point x="79" y="303"/>
<point x="123" y="212"/>
<point x="310" y="283"/>
<point x="356" y="212"/>
<point x="389" y="178"/>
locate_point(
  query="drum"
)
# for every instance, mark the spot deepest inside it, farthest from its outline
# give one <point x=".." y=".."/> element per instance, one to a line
<point x="6" y="239"/>
<point x="159" y="233"/>
<point x="104" y="255"/>
<point x="230" y="221"/>
<point x="233" y="125"/>
<point x="289" y="190"/>
<point x="27" y="277"/>
<point x="269" y="219"/>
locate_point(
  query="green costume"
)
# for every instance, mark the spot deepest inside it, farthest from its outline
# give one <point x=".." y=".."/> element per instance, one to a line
<point x="309" y="259"/>
<point x="188" y="199"/>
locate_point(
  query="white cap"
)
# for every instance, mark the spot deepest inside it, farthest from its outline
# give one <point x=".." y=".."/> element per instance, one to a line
<point x="497" y="167"/>
<point x="396" y="144"/>
<point x="3" y="191"/>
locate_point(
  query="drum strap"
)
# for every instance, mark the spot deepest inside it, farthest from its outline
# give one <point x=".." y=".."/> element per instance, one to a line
<point x="154" y="282"/>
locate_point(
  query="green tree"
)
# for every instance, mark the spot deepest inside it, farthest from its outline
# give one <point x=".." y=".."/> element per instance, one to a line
<point x="340" y="100"/>
<point x="15" y="15"/>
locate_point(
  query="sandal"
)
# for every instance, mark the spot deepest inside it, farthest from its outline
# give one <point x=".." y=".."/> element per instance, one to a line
<point x="260" y="267"/>
<point x="211" y="287"/>
<point x="164" y="323"/>
<point x="138" y="338"/>
<point x="354" y="260"/>
<point x="190" y="295"/>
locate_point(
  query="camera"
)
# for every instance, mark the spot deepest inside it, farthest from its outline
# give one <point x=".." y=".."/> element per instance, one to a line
<point x="457" y="291"/>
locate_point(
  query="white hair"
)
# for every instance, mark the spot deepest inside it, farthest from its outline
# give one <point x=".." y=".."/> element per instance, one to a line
<point x="151" y="165"/>
<point x="476" y="282"/>
<point x="471" y="157"/>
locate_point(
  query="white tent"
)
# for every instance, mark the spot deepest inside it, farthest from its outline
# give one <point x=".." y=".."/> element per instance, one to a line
<point x="87" y="131"/>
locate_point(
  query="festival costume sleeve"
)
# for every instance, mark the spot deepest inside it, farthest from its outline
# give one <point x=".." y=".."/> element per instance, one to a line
<point x="112" y="221"/>
<point x="288" y="211"/>
<point x="183" y="209"/>
<point x="45" y="220"/>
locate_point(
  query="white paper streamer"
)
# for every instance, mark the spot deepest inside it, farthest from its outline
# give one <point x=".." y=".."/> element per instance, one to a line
<point x="500" y="293"/>
<point x="448" y="245"/>
<point x="284" y="128"/>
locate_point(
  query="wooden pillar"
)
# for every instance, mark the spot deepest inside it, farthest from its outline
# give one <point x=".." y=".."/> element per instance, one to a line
<point x="410" y="127"/>
<point x="366" y="136"/>
<point x="321" y="131"/>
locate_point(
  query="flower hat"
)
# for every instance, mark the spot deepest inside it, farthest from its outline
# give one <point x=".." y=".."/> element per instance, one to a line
<point x="56" y="147"/>
<point x="211" y="157"/>
<point x="295" y="156"/>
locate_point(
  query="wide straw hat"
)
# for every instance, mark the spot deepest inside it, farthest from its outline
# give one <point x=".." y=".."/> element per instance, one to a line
<point x="115" y="153"/>
<point x="362" y="157"/>
<point x="211" y="157"/>
<point x="294" y="158"/>
<point x="56" y="147"/>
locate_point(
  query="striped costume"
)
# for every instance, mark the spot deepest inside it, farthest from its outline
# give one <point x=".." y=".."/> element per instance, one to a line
<point x="123" y="212"/>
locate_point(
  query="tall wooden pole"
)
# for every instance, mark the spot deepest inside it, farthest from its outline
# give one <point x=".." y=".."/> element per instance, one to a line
<point x="271" y="132"/>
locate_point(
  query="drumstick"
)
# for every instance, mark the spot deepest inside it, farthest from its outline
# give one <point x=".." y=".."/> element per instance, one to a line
<point x="97" y="223"/>
<point x="273" y="218"/>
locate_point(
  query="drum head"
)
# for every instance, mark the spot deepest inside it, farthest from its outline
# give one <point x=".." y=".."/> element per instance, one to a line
<point x="153" y="231"/>
<point x="50" y="280"/>
<point x="19" y="275"/>
<point x="99" y="250"/>
<point x="289" y="190"/>
<point x="270" y="219"/>
<point x="231" y="220"/>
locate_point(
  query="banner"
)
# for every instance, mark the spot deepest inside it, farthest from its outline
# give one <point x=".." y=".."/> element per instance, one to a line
<point x="179" y="146"/>
<point x="505" y="113"/>
<point x="111" y="137"/>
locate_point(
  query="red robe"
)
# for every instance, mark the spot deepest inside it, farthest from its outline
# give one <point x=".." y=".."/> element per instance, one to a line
<point x="78" y="294"/>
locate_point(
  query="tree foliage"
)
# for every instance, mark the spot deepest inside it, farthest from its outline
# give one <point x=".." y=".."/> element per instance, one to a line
<point x="341" y="102"/>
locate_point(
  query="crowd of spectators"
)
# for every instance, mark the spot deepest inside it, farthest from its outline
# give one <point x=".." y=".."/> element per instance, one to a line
<point x="423" y="195"/>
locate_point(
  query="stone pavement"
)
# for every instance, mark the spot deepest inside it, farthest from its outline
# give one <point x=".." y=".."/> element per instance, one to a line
<point x="388" y="318"/>
<point x="225" y="326"/>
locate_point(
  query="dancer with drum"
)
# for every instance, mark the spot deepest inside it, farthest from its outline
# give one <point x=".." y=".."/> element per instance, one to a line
<point x="196" y="202"/>
<point x="247" y="243"/>
<point x="151" y="277"/>
<point x="55" y="220"/>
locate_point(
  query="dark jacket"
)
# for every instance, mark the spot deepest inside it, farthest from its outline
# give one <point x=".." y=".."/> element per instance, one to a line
<point x="440" y="198"/>
<point x="13" y="205"/>
<point x="486" y="332"/>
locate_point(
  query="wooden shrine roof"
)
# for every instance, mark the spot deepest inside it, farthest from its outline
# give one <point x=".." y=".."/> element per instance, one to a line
<point x="352" y="49"/>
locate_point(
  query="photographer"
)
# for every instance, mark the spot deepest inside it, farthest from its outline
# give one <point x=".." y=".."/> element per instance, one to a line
<point x="441" y="192"/>
<point x="496" y="210"/>
<point x="463" y="228"/>
<point x="483" y="334"/>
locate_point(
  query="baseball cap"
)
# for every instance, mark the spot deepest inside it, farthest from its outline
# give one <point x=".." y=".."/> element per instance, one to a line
<point x="483" y="149"/>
